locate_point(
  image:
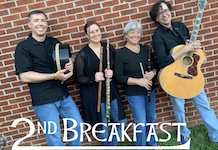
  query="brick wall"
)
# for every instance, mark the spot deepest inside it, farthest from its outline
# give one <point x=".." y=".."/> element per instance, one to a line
<point x="66" y="19"/>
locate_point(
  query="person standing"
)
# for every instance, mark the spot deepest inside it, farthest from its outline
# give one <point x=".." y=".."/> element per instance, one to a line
<point x="168" y="35"/>
<point x="87" y="75"/>
<point x="136" y="87"/>
<point x="35" y="66"/>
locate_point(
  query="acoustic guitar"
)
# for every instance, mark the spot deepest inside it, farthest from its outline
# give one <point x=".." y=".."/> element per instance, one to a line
<point x="183" y="78"/>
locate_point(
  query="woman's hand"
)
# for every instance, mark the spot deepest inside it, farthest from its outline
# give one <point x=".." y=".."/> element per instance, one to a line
<point x="143" y="82"/>
<point x="149" y="75"/>
<point x="108" y="73"/>
<point x="99" y="76"/>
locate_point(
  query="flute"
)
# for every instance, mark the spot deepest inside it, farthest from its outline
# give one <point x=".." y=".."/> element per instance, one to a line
<point x="100" y="82"/>
<point x="108" y="85"/>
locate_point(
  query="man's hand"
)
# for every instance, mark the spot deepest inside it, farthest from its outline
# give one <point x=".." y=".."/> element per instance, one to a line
<point x="108" y="73"/>
<point x="60" y="75"/>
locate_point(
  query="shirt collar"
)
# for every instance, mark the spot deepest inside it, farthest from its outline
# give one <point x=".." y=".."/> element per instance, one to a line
<point x="167" y="29"/>
<point x="33" y="41"/>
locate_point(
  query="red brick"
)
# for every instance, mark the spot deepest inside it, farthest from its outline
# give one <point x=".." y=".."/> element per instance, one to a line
<point x="36" y="6"/>
<point x="84" y="15"/>
<point x="183" y="12"/>
<point x="74" y="11"/>
<point x="138" y="3"/>
<point x="63" y="38"/>
<point x="12" y="90"/>
<point x="4" y="103"/>
<point x="64" y="6"/>
<point x="211" y="12"/>
<point x="3" y="12"/>
<point x="57" y="14"/>
<point x="20" y="22"/>
<point x="114" y="27"/>
<point x="53" y="34"/>
<point x="83" y="2"/>
<point x="48" y="10"/>
<point x="211" y="36"/>
<point x="24" y="2"/>
<point x="7" y="5"/>
<point x="2" y="57"/>
<point x="129" y="11"/>
<point x="16" y="29"/>
<point x="18" y="9"/>
<point x="23" y="34"/>
<point x="138" y="16"/>
<point x="111" y="15"/>
<point x="102" y="11"/>
<point x="59" y="26"/>
<point x="92" y="7"/>
<point x="69" y="30"/>
<point x="77" y="23"/>
<point x="15" y="42"/>
<point x="66" y="18"/>
<point x="52" y="2"/>
<point x="11" y="17"/>
<point x="110" y="3"/>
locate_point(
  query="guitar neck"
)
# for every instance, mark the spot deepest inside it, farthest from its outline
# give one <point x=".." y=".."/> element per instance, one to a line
<point x="196" y="29"/>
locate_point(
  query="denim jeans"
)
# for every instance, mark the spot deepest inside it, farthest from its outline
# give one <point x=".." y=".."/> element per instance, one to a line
<point x="143" y="112"/>
<point x="115" y="116"/>
<point x="207" y="114"/>
<point x="65" y="108"/>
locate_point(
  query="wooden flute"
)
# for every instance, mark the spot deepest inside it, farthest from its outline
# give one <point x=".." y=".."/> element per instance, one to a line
<point x="108" y="85"/>
<point x="100" y="82"/>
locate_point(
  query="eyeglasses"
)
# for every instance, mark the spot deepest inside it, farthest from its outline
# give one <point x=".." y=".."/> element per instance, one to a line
<point x="160" y="14"/>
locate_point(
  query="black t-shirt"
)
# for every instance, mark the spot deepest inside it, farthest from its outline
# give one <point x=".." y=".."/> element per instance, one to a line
<point x="164" y="40"/>
<point x="127" y="64"/>
<point x="31" y="55"/>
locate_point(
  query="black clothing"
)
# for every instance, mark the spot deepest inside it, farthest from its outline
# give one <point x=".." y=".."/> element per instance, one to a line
<point x="128" y="65"/>
<point x="86" y="65"/>
<point x="31" y="55"/>
<point x="164" y="39"/>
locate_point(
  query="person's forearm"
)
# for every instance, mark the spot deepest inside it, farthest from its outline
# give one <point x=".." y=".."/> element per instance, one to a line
<point x="132" y="81"/>
<point x="35" y="77"/>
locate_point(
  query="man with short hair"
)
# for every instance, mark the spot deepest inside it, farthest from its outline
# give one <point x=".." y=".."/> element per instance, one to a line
<point x="167" y="35"/>
<point x="35" y="66"/>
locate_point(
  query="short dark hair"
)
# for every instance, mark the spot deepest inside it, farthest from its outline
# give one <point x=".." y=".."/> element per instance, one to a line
<point x="35" y="12"/>
<point x="156" y="7"/>
<point x="88" y="24"/>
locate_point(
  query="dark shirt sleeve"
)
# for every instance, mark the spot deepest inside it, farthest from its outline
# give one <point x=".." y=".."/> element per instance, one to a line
<point x="160" y="51"/>
<point x="23" y="60"/>
<point x="79" y="70"/>
<point x="119" y="69"/>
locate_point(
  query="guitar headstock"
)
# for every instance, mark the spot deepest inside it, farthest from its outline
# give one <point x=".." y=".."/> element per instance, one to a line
<point x="202" y="4"/>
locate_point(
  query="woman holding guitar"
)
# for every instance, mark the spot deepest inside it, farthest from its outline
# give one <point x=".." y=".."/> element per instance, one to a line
<point x="87" y="74"/>
<point x="166" y="36"/>
<point x="137" y="83"/>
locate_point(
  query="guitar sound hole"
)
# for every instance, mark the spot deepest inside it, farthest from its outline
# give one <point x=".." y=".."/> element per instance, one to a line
<point x="187" y="61"/>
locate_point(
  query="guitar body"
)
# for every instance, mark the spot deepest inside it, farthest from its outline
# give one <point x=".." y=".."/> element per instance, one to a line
<point x="183" y="78"/>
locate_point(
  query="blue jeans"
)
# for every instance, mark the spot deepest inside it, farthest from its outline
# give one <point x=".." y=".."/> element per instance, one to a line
<point x="66" y="108"/>
<point x="143" y="112"/>
<point x="115" y="116"/>
<point x="206" y="113"/>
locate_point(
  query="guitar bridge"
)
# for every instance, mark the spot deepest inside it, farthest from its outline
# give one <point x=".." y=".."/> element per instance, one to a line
<point x="183" y="76"/>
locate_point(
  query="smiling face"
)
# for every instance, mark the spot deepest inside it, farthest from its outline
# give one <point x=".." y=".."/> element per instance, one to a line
<point x="133" y="36"/>
<point x="38" y="24"/>
<point x="164" y="15"/>
<point x="93" y="33"/>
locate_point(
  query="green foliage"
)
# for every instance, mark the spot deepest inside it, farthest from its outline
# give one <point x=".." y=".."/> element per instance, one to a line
<point x="199" y="139"/>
